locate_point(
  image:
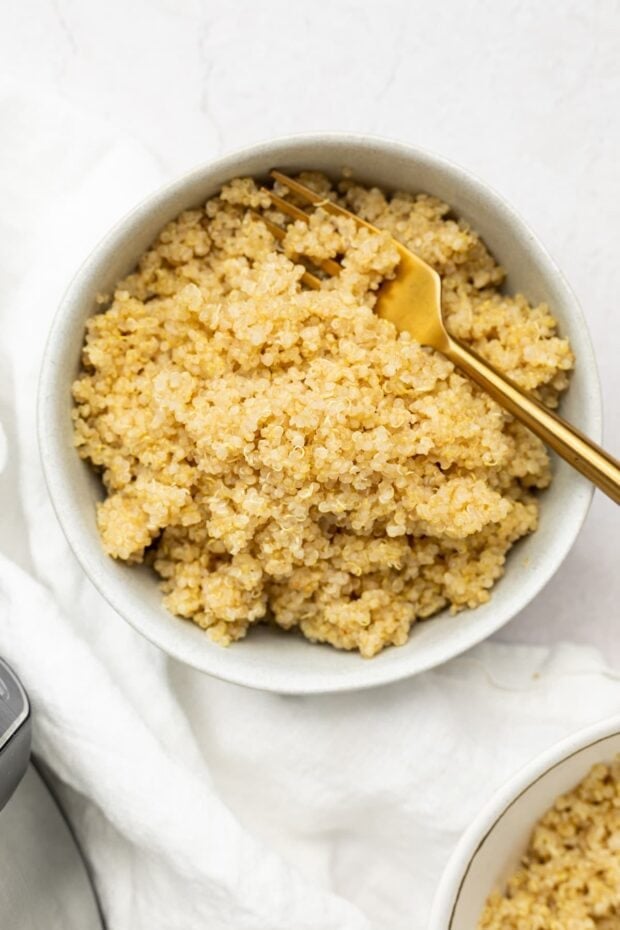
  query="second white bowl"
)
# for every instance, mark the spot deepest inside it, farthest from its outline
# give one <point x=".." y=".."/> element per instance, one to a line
<point x="284" y="662"/>
<point x="490" y="850"/>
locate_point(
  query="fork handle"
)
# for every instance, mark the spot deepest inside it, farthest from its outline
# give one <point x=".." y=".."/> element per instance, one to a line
<point x="579" y="451"/>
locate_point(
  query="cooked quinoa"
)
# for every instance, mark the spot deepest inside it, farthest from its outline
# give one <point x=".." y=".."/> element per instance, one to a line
<point x="570" y="875"/>
<point x="282" y="454"/>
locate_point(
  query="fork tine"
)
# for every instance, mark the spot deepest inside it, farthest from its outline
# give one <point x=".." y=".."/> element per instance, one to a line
<point x="309" y="279"/>
<point x="306" y="193"/>
<point x="327" y="264"/>
<point x="289" y="209"/>
<point x="273" y="228"/>
<point x="312" y="197"/>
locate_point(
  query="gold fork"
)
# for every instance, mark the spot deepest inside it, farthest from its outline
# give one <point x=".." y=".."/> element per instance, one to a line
<point x="412" y="302"/>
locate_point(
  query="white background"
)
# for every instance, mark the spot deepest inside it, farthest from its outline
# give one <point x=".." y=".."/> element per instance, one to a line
<point x="525" y="94"/>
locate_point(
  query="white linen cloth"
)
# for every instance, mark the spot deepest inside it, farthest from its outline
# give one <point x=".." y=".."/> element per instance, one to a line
<point x="201" y="804"/>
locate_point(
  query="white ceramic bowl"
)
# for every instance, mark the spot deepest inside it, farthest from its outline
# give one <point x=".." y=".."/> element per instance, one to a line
<point x="287" y="663"/>
<point x="490" y="849"/>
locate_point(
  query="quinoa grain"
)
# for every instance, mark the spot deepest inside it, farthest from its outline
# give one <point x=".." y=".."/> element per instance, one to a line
<point x="570" y="875"/>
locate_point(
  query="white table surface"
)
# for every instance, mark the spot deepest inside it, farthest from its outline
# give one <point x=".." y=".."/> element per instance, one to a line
<point x="523" y="93"/>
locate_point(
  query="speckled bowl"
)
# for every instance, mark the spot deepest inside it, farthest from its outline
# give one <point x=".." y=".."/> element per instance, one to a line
<point x="267" y="659"/>
<point x="490" y="849"/>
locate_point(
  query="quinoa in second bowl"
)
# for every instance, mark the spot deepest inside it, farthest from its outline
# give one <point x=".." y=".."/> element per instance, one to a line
<point x="569" y="877"/>
<point x="283" y="454"/>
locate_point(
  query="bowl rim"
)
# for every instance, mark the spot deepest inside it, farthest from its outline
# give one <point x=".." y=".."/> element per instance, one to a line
<point x="455" y="874"/>
<point x="51" y="447"/>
